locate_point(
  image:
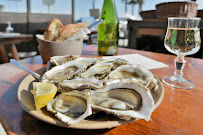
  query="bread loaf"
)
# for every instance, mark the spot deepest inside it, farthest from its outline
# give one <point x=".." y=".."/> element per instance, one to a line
<point x="80" y="26"/>
<point x="59" y="33"/>
<point x="53" y="29"/>
<point x="66" y="32"/>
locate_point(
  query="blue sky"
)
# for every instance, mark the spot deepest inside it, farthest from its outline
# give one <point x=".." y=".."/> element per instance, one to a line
<point x="81" y="6"/>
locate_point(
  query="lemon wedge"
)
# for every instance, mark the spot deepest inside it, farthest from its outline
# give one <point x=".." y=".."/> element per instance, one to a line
<point x="43" y="93"/>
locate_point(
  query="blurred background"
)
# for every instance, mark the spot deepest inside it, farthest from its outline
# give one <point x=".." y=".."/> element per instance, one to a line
<point x="136" y="19"/>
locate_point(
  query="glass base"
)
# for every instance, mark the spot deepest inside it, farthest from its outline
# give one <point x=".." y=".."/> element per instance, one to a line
<point x="178" y="82"/>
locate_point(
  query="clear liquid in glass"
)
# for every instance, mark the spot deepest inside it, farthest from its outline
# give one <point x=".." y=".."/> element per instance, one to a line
<point x="182" y="41"/>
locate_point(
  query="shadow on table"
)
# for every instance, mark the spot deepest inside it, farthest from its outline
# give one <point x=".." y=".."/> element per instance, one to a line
<point x="9" y="106"/>
<point x="40" y="127"/>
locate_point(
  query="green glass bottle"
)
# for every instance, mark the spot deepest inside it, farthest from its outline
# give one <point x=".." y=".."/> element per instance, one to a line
<point x="108" y="30"/>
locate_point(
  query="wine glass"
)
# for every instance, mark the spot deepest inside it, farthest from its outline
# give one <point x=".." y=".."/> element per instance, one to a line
<point x="182" y="38"/>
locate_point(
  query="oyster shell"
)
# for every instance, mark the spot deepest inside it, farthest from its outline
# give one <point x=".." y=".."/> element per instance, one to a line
<point x="133" y="73"/>
<point x="64" y="71"/>
<point x="103" y="67"/>
<point x="88" y="61"/>
<point x="59" y="60"/>
<point x="115" y="61"/>
<point x="70" y="107"/>
<point x="79" y="84"/>
<point x="98" y="71"/>
<point x="124" y="100"/>
<point x="112" y="60"/>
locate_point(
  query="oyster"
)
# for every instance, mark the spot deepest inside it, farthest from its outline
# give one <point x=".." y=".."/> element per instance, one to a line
<point x="88" y="61"/>
<point x="103" y="67"/>
<point x="124" y="100"/>
<point x="70" y="107"/>
<point x="98" y="71"/>
<point x="59" y="60"/>
<point x="64" y="71"/>
<point x="116" y="61"/>
<point x="133" y="73"/>
<point x="112" y="60"/>
<point x="80" y="84"/>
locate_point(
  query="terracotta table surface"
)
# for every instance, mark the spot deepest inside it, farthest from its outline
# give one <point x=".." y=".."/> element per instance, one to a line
<point x="179" y="113"/>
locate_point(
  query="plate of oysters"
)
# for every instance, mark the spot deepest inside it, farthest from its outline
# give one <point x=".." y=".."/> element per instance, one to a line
<point x="93" y="93"/>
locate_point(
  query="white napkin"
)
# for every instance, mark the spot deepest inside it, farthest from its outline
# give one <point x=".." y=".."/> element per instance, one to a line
<point x="2" y="131"/>
<point x="80" y="34"/>
<point x="142" y="60"/>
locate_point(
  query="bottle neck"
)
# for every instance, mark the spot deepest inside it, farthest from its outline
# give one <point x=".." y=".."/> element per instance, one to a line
<point x="109" y="11"/>
<point x="109" y="3"/>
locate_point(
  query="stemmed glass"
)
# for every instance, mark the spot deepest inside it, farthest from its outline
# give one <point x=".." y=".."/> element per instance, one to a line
<point x="182" y="38"/>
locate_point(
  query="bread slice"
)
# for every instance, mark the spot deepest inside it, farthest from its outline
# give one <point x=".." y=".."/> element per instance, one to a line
<point x="80" y="26"/>
<point x="53" y="29"/>
<point x="66" y="32"/>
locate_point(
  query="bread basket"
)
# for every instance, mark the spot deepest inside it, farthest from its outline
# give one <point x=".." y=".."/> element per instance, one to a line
<point x="48" y="49"/>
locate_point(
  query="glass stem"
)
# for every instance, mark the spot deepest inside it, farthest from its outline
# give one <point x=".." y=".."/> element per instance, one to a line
<point x="179" y="65"/>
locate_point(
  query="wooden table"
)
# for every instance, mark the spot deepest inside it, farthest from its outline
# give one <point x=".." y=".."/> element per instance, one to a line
<point x="11" y="41"/>
<point x="179" y="113"/>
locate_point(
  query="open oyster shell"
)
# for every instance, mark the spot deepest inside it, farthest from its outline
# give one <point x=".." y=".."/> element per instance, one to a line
<point x="80" y="84"/>
<point x="59" y="60"/>
<point x="70" y="107"/>
<point x="98" y="71"/>
<point x="124" y="100"/>
<point x="116" y="61"/>
<point x="133" y="73"/>
<point x="88" y="61"/>
<point x="103" y="67"/>
<point x="64" y="71"/>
